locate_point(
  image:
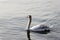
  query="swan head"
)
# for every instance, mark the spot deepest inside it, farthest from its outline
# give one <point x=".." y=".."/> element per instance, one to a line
<point x="29" y="16"/>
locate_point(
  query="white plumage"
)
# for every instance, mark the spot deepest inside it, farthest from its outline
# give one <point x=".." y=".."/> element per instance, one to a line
<point x="40" y="27"/>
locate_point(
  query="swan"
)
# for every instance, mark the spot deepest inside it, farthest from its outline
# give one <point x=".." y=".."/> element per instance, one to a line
<point x="40" y="28"/>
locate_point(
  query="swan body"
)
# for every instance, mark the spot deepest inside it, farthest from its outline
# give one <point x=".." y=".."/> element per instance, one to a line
<point x="40" y="28"/>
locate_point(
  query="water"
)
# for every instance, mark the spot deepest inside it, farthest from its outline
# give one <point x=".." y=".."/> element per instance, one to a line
<point x="13" y="19"/>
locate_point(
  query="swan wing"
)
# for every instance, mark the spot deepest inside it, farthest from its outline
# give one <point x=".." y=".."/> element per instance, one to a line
<point x="36" y="28"/>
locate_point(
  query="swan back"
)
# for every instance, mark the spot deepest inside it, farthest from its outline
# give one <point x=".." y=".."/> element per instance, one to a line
<point x="40" y="27"/>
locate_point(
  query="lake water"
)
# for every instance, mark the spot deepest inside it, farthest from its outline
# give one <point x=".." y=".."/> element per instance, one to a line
<point x="13" y="19"/>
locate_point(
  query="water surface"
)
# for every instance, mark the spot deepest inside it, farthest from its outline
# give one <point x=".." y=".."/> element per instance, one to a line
<point x="13" y="19"/>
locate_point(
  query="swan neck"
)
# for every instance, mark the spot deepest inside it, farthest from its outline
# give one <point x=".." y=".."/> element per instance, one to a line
<point x="28" y="30"/>
<point x="29" y="22"/>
